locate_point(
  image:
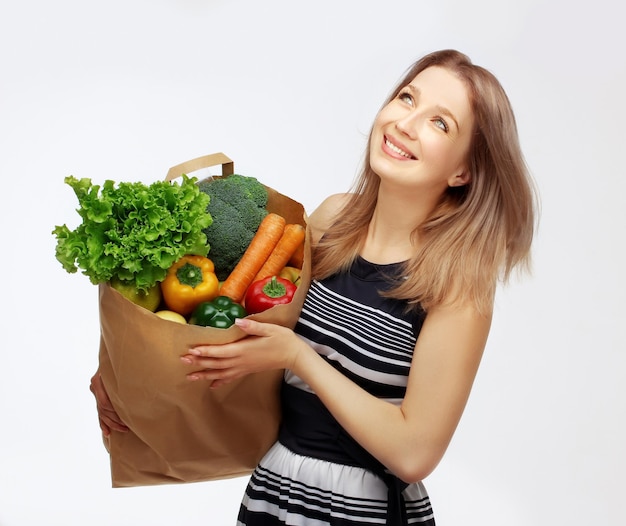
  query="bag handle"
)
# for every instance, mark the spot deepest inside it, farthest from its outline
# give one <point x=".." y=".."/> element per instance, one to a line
<point x="206" y="161"/>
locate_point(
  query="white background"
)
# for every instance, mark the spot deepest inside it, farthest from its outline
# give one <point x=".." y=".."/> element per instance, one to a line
<point x="126" y="89"/>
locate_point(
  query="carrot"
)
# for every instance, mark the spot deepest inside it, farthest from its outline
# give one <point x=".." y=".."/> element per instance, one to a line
<point x="267" y="236"/>
<point x="297" y="259"/>
<point x="292" y="238"/>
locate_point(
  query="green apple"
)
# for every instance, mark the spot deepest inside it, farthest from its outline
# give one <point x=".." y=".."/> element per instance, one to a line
<point x="150" y="299"/>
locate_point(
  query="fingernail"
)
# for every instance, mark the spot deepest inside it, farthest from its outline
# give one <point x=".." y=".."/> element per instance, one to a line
<point x="195" y="352"/>
<point x="186" y="359"/>
<point x="193" y="377"/>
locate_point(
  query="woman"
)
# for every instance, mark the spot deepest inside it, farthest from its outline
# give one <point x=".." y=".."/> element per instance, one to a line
<point x="382" y="360"/>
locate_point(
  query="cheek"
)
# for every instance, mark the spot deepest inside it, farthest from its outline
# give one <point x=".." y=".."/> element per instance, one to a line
<point x="376" y="135"/>
<point x="437" y="146"/>
<point x="386" y="115"/>
<point x="377" y="124"/>
<point x="444" y="154"/>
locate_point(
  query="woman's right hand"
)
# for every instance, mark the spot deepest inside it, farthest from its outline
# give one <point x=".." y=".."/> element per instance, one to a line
<point x="109" y="419"/>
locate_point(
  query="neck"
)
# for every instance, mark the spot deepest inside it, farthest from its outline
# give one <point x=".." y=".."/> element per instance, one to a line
<point x="390" y="236"/>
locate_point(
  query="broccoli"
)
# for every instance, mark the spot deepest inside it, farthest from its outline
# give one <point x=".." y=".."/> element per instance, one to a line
<point x="229" y="188"/>
<point x="237" y="206"/>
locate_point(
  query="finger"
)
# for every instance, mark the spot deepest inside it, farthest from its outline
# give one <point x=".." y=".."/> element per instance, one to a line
<point x="106" y="409"/>
<point x="209" y="363"/>
<point x="108" y="418"/>
<point x="219" y="383"/>
<point x="112" y="425"/>
<point x="106" y="430"/>
<point x="226" y="350"/>
<point x="97" y="388"/>
<point x="118" y="427"/>
<point x="111" y="419"/>
<point x="209" y="351"/>
<point x="109" y="424"/>
<point x="214" y="375"/>
<point x="252" y="327"/>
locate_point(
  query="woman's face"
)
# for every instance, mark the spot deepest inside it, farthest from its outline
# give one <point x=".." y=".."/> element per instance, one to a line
<point x="421" y="139"/>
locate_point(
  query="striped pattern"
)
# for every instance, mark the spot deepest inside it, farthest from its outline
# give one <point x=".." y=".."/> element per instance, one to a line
<point x="348" y="496"/>
<point x="370" y="339"/>
<point x="372" y="347"/>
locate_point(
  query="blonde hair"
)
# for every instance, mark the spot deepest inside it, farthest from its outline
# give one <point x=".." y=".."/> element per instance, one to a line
<point x="478" y="233"/>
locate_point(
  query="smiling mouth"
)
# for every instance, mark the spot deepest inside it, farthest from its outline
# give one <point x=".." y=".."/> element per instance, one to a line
<point x="397" y="150"/>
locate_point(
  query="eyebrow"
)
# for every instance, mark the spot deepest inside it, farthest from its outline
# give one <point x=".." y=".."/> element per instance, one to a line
<point x="440" y="109"/>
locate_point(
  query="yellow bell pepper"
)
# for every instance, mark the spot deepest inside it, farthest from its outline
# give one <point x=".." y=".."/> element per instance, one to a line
<point x="189" y="282"/>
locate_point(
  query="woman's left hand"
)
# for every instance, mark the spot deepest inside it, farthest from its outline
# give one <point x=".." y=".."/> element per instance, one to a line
<point x="266" y="347"/>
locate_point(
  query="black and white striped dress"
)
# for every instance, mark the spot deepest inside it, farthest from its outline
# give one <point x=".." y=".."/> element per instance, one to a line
<point x="306" y="479"/>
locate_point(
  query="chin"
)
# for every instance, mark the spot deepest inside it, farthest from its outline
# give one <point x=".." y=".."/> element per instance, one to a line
<point x="385" y="167"/>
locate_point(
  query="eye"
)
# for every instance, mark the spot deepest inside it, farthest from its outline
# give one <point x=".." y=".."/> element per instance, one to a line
<point x="406" y="97"/>
<point x="441" y="124"/>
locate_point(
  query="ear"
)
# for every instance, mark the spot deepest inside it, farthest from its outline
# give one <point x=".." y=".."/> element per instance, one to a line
<point x="460" y="179"/>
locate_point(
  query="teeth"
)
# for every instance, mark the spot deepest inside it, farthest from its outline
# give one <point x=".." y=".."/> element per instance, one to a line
<point x="397" y="150"/>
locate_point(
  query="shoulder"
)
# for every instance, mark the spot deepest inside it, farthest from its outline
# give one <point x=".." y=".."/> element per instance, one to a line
<point x="454" y="335"/>
<point x="472" y="322"/>
<point x="324" y="215"/>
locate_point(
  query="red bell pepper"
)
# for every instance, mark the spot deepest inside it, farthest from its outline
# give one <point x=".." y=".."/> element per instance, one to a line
<point x="267" y="292"/>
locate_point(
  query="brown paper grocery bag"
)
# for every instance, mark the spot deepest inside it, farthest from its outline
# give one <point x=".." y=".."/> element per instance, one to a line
<point x="181" y="431"/>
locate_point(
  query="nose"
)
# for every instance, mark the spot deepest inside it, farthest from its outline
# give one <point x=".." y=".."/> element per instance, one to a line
<point x="408" y="124"/>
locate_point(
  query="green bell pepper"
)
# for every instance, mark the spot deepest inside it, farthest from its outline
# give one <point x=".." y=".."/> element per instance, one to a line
<point x="219" y="313"/>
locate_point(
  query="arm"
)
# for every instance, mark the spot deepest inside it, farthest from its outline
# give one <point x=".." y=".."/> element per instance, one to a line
<point x="409" y="440"/>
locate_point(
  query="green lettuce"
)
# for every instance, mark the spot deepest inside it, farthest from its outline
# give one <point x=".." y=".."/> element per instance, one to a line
<point x="133" y="231"/>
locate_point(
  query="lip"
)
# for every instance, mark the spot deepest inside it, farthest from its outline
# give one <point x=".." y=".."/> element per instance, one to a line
<point x="396" y="149"/>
